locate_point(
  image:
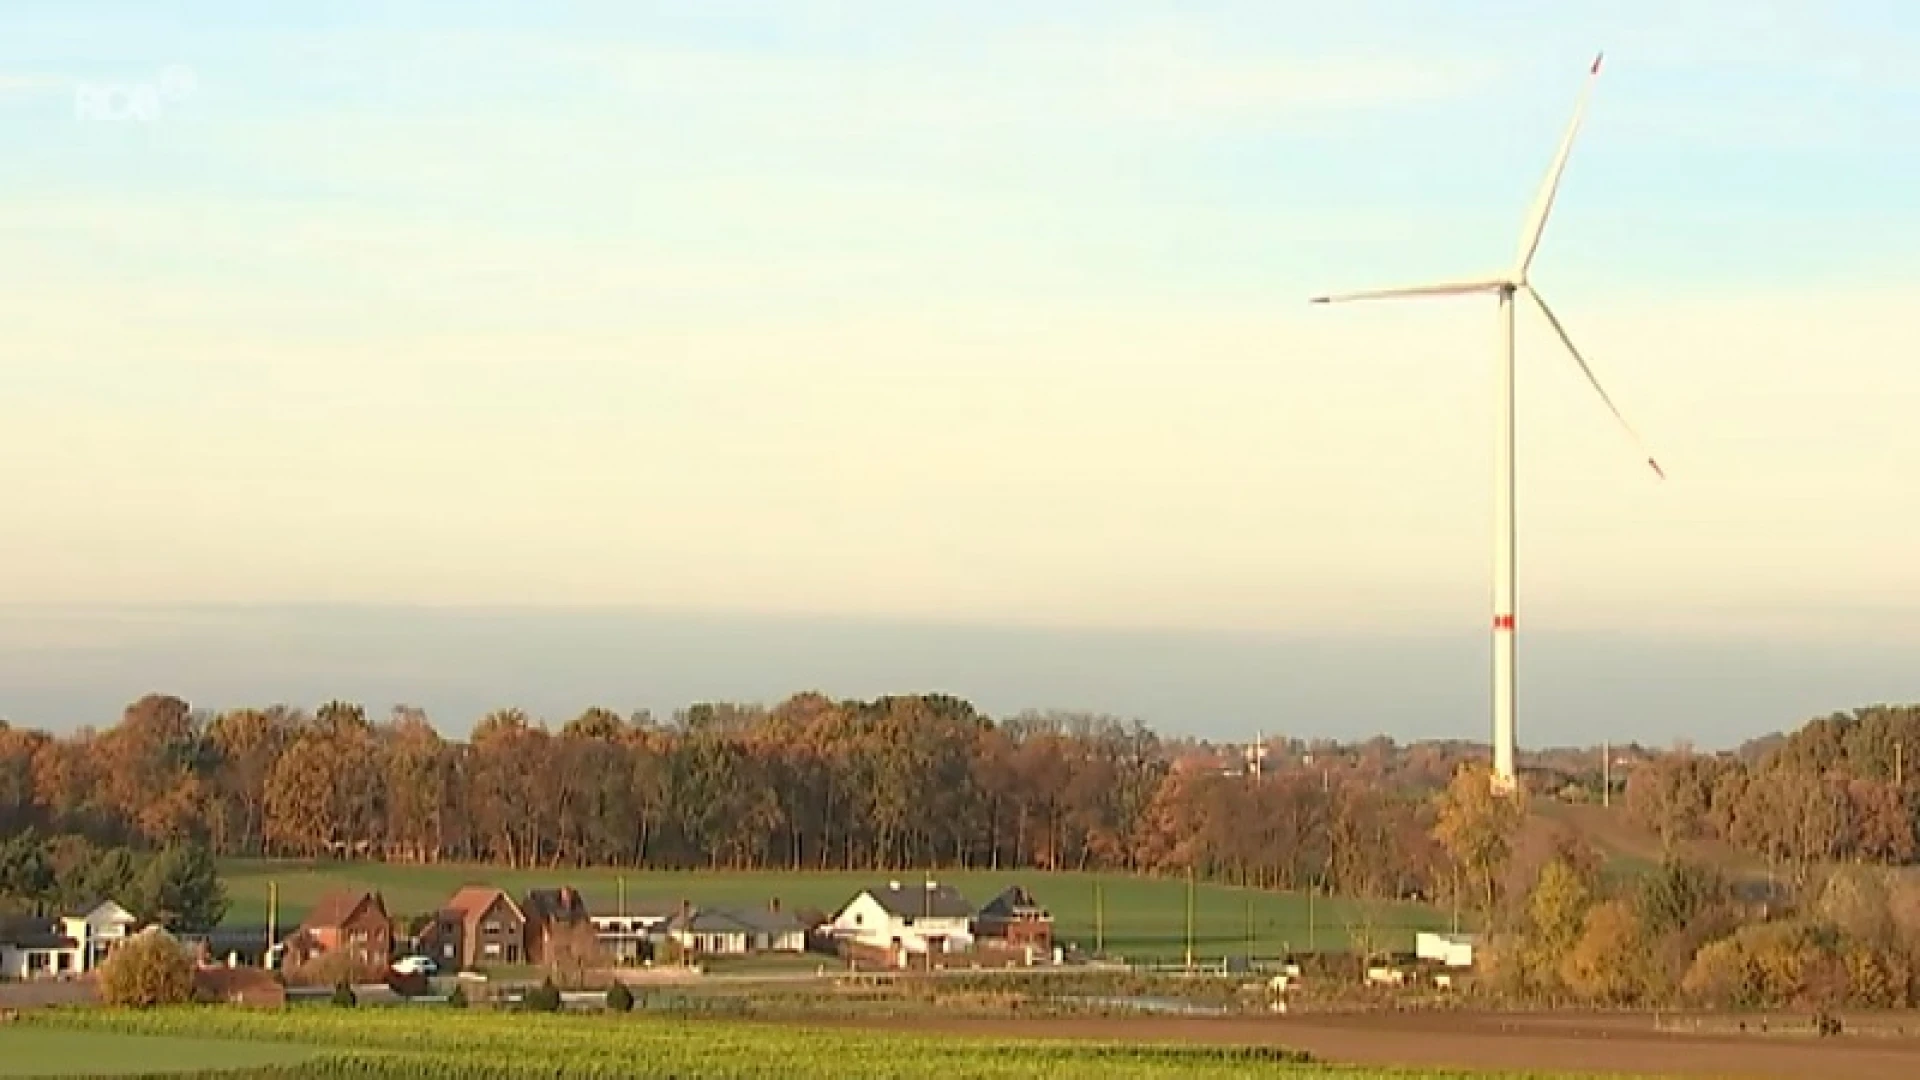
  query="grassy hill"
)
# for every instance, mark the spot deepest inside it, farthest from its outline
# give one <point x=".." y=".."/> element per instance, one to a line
<point x="1143" y="918"/>
<point x="1628" y="849"/>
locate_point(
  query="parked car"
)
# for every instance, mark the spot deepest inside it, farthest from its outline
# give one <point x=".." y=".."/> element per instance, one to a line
<point x="416" y="965"/>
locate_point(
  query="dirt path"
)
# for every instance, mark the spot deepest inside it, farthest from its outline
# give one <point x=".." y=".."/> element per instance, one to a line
<point x="1570" y="1042"/>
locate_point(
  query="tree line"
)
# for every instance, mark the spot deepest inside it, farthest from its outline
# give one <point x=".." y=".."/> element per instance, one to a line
<point x="1839" y="789"/>
<point x="907" y="781"/>
<point x="177" y="886"/>
<point x="810" y="783"/>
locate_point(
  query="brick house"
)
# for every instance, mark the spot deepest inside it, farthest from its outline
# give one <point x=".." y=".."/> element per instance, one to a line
<point x="350" y="921"/>
<point x="554" y="915"/>
<point x="479" y="926"/>
<point x="1015" y="920"/>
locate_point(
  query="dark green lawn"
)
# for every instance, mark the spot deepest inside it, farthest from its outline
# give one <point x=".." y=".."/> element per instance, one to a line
<point x="41" y="1052"/>
<point x="1145" y="918"/>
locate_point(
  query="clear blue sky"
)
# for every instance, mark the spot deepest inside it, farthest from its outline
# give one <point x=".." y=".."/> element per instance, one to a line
<point x="985" y="312"/>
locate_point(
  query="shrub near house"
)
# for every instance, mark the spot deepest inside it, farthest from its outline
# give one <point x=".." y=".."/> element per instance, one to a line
<point x="149" y="969"/>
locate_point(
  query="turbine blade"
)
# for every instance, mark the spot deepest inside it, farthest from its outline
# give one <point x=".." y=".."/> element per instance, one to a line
<point x="1567" y="340"/>
<point x="1543" y="202"/>
<point x="1445" y="288"/>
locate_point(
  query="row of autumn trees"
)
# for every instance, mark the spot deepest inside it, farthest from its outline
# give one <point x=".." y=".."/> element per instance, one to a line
<point x="1832" y="805"/>
<point x="1686" y="933"/>
<point x="813" y="782"/>
<point x="1840" y="789"/>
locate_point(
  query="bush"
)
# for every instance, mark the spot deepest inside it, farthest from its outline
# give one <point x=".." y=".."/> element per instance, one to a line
<point x="543" y="998"/>
<point x="457" y="999"/>
<point x="331" y="969"/>
<point x="619" y="998"/>
<point x="149" y="969"/>
<point x="343" y="995"/>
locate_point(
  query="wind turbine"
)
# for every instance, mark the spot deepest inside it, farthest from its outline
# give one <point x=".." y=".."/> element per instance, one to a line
<point x="1504" y="287"/>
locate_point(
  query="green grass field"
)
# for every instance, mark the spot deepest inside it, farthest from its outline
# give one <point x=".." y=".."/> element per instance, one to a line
<point x="42" y="1052"/>
<point x="431" y="1044"/>
<point x="1143" y="918"/>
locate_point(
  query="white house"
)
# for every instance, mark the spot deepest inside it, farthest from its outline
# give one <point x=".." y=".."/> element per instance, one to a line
<point x="1450" y="950"/>
<point x="733" y="931"/>
<point x="36" y="949"/>
<point x="629" y="936"/>
<point x="915" y="918"/>
<point x="98" y="931"/>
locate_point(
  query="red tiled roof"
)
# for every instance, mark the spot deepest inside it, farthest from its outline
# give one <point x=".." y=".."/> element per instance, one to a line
<point x="335" y="908"/>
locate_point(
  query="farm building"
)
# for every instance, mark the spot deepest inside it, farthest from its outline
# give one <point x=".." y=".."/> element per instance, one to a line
<point x="922" y="918"/>
<point x="1448" y="950"/>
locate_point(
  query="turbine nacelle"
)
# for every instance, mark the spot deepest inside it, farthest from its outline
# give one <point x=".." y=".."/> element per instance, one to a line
<point x="1517" y="280"/>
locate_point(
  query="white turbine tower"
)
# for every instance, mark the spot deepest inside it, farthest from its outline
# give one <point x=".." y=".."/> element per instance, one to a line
<point x="1504" y="287"/>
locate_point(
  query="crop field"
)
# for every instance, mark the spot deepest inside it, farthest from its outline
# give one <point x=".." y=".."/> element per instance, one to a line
<point x="1143" y="918"/>
<point x="46" y="1052"/>
<point x="374" y="1043"/>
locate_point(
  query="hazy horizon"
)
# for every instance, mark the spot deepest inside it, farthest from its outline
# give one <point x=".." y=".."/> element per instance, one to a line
<point x="82" y="666"/>
<point x="944" y="322"/>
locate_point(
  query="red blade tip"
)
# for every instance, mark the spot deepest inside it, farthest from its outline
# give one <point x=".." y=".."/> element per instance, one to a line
<point x="1657" y="470"/>
<point x="1596" y="63"/>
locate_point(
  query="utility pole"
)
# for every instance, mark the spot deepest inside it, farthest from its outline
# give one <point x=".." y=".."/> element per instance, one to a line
<point x="1606" y="774"/>
<point x="1099" y="921"/>
<point x="1189" y="916"/>
<point x="273" y="917"/>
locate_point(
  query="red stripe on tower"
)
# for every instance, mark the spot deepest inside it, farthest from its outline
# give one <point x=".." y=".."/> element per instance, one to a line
<point x="1503" y="622"/>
